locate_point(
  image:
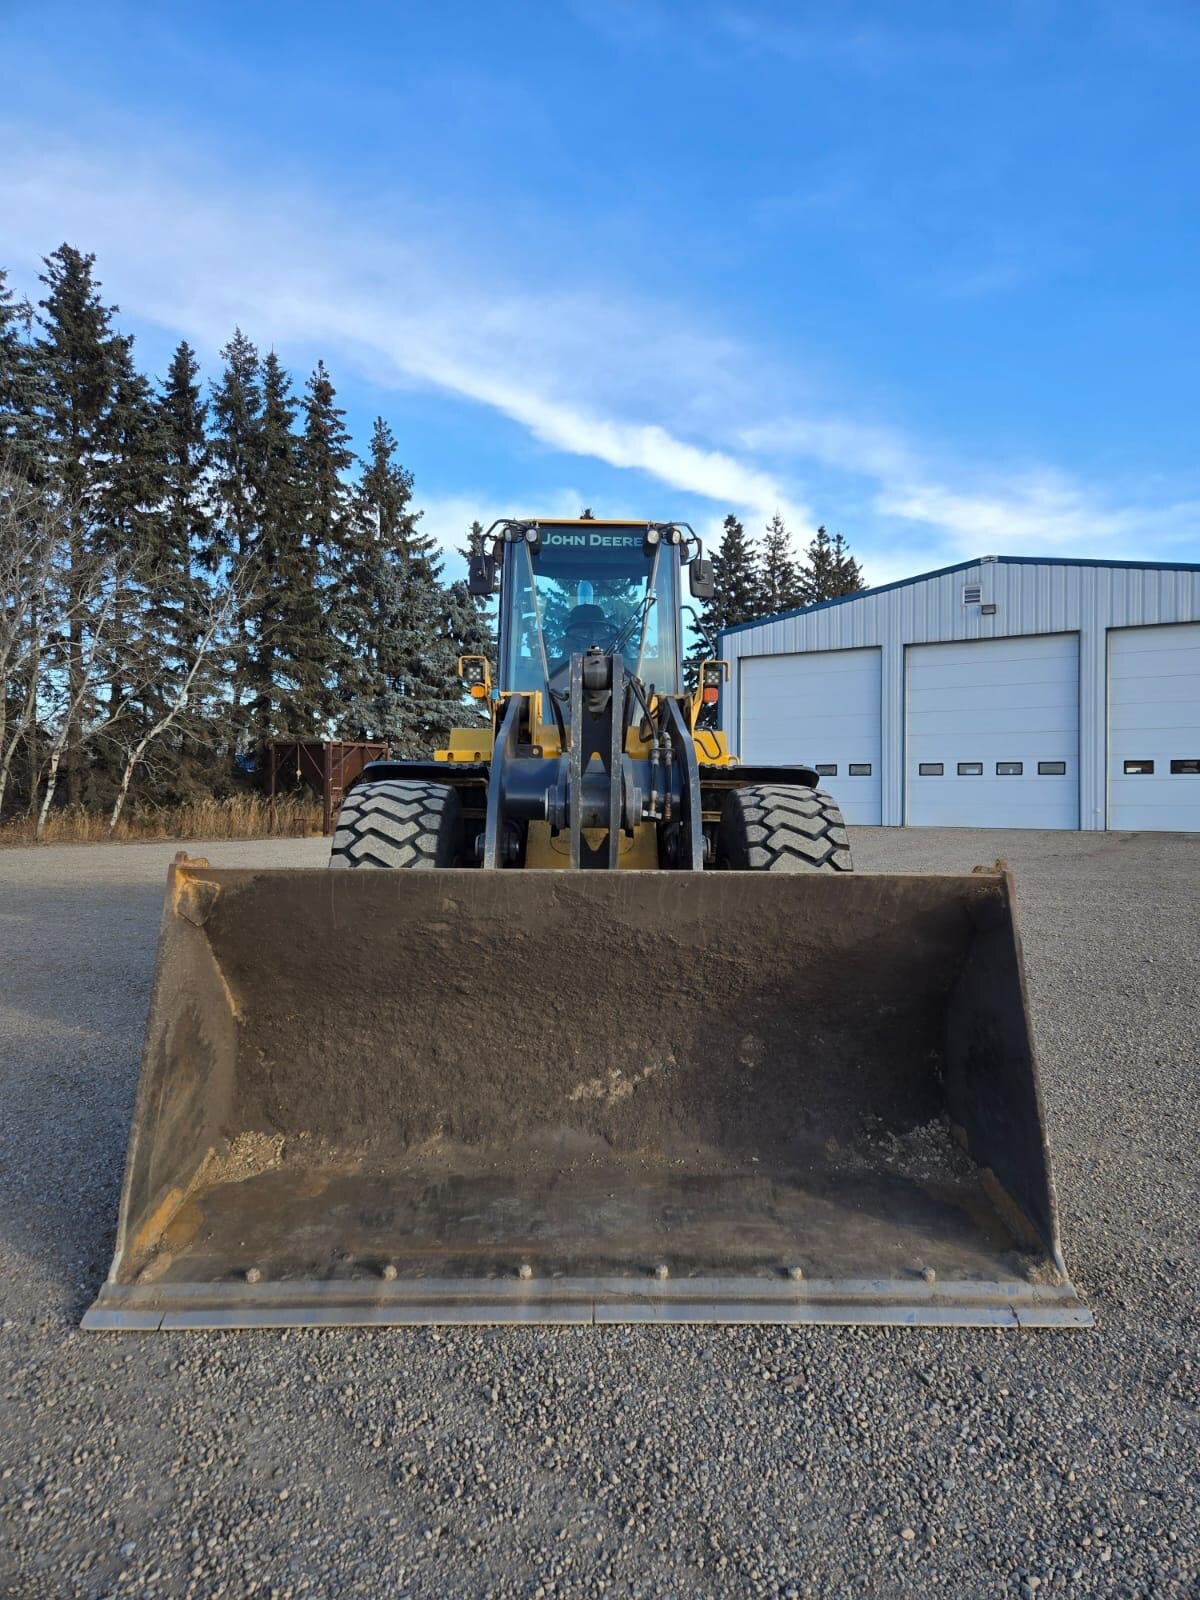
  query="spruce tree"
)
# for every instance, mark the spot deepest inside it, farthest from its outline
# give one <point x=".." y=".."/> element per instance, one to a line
<point x="176" y="590"/>
<point x="236" y="454"/>
<point x="779" y="580"/>
<point x="19" y="466"/>
<point x="738" y="594"/>
<point x="330" y="540"/>
<point x="184" y="529"/>
<point x="398" y="680"/>
<point x="476" y="635"/>
<point x="469" y="620"/>
<point x="78" y="358"/>
<point x="128" y="530"/>
<point x="18" y="385"/>
<point x="830" y="571"/>
<point x="284" y="680"/>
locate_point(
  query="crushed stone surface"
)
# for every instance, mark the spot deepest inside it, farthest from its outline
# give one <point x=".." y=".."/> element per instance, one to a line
<point x="639" y="1461"/>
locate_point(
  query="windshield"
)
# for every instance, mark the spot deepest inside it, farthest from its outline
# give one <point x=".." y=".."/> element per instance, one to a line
<point x="583" y="587"/>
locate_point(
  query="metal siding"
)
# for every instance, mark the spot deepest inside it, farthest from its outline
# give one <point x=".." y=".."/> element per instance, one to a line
<point x="1030" y="597"/>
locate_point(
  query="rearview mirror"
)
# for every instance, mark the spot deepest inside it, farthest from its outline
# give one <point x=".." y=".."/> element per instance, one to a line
<point x="700" y="579"/>
<point x="481" y="575"/>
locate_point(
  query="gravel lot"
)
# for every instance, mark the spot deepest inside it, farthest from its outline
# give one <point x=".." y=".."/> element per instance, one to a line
<point x="628" y="1461"/>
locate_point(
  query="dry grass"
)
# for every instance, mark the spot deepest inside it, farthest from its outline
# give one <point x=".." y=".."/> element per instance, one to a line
<point x="240" y="817"/>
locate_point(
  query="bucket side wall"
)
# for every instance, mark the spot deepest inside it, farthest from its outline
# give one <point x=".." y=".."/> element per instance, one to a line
<point x="992" y="1088"/>
<point x="186" y="1082"/>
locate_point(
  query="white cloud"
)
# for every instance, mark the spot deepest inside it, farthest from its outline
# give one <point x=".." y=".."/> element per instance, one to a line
<point x="293" y="274"/>
<point x="588" y="373"/>
<point x="975" y="513"/>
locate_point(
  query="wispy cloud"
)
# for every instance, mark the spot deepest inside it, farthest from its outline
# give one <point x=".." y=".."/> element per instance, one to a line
<point x="976" y="513"/>
<point x="590" y="374"/>
<point x="573" y="369"/>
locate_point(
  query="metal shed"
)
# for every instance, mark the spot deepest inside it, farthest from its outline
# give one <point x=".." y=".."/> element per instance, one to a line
<point x="1009" y="691"/>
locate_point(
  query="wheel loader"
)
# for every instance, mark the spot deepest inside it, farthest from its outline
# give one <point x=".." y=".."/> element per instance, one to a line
<point x="588" y="1021"/>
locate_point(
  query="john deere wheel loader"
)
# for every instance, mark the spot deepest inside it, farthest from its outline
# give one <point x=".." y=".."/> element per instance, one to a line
<point x="600" y="1026"/>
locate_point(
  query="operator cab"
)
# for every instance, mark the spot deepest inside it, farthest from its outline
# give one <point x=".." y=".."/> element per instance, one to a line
<point x="566" y="587"/>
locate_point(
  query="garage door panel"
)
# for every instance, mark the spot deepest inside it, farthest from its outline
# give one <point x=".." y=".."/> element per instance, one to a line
<point x="1164" y="720"/>
<point x="952" y="707"/>
<point x="1011" y="720"/>
<point x="821" y="708"/>
<point x="957" y="675"/>
<point x="1020" y="649"/>
<point x="1155" y="665"/>
<point x="1169" y="641"/>
<point x="996" y="810"/>
<point x="812" y="735"/>
<point x="1139" y="693"/>
<point x="989" y="701"/>
<point x="1154" y="718"/>
<point x="846" y="665"/>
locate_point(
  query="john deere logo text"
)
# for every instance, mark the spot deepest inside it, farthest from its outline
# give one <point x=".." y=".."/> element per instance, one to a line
<point x="593" y="541"/>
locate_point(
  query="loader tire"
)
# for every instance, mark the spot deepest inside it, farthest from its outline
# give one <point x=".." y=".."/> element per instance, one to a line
<point x="398" y="823"/>
<point x="782" y="828"/>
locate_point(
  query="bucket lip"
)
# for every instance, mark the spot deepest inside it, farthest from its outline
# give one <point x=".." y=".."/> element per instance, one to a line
<point x="348" y="1302"/>
<point x="199" y="867"/>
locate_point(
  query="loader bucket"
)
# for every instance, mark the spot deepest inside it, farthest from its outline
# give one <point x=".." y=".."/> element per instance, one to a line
<point x="520" y="1096"/>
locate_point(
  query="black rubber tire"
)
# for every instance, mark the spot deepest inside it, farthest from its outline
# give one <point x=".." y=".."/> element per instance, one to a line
<point x="397" y="823"/>
<point x="782" y="828"/>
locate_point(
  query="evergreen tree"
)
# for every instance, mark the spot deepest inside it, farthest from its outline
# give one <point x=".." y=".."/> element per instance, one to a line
<point x="476" y="634"/>
<point x="470" y="621"/>
<point x="20" y="463"/>
<point x="236" y="453"/>
<point x="130" y="507"/>
<point x="738" y="594"/>
<point x="79" y="358"/>
<point x="157" y="500"/>
<point x="398" y="680"/>
<point x="830" y="570"/>
<point x="329" y="541"/>
<point x="176" y="590"/>
<point x="364" y="594"/>
<point x="284" y="676"/>
<point x="184" y="528"/>
<point x="779" y="579"/>
<point x="18" y="384"/>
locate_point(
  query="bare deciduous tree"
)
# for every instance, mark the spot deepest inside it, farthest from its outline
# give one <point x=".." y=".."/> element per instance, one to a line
<point x="222" y="608"/>
<point x="78" y="665"/>
<point x="39" y="610"/>
<point x="26" y="565"/>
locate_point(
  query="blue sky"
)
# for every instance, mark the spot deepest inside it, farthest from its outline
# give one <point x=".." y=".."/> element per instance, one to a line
<point x="926" y="273"/>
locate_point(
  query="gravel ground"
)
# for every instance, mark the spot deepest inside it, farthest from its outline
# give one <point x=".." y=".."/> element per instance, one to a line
<point x="627" y="1461"/>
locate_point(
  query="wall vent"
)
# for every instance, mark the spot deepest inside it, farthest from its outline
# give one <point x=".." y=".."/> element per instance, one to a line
<point x="972" y="594"/>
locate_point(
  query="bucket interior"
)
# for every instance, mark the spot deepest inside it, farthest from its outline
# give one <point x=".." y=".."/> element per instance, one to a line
<point x="465" y="1075"/>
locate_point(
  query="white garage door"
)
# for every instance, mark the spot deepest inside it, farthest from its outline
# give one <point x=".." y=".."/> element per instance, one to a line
<point x="1154" y="728"/>
<point x="821" y="708"/>
<point x="992" y="733"/>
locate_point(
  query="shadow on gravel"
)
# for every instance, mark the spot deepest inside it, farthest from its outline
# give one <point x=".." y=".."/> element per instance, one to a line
<point x="74" y="988"/>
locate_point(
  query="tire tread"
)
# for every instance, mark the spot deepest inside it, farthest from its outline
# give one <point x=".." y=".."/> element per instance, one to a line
<point x="398" y="823"/>
<point x="783" y="828"/>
